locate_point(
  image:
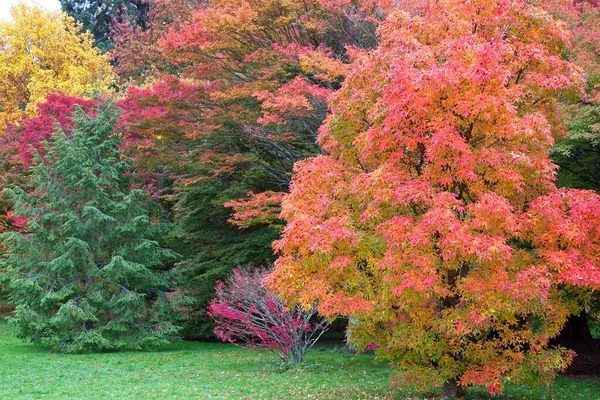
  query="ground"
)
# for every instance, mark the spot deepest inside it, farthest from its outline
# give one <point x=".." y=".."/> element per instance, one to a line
<point x="588" y="358"/>
<point x="189" y="370"/>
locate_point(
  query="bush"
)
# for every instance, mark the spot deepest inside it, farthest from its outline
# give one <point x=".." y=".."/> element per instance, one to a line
<point x="246" y="313"/>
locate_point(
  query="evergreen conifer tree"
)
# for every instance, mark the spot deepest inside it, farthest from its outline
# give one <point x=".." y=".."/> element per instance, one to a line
<point x="85" y="275"/>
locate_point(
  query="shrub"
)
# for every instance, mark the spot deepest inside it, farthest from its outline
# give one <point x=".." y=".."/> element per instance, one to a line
<point x="246" y="313"/>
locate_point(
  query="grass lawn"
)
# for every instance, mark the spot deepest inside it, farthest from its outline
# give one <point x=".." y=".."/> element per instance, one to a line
<point x="216" y="371"/>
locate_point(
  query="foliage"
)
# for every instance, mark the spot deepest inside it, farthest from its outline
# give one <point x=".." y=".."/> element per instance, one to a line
<point x="246" y="313"/>
<point x="20" y="143"/>
<point x="212" y="248"/>
<point x="434" y="220"/>
<point x="98" y="16"/>
<point x="85" y="275"/>
<point x="56" y="110"/>
<point x="135" y="51"/>
<point x="43" y="52"/>
<point x="579" y="155"/>
<point x="253" y="88"/>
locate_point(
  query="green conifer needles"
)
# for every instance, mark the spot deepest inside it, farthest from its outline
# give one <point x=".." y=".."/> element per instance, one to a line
<point x="85" y="274"/>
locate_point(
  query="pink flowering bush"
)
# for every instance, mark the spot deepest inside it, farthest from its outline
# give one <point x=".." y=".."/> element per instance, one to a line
<point x="246" y="314"/>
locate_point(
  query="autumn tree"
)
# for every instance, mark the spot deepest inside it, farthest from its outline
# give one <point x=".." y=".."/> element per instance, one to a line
<point x="434" y="220"/>
<point x="578" y="155"/>
<point x="136" y="52"/>
<point x="21" y="143"/>
<point x="85" y="275"/>
<point x="43" y="52"/>
<point x="252" y="90"/>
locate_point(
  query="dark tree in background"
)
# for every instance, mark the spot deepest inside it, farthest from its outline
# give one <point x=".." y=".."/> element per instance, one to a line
<point x="97" y="16"/>
<point x="579" y="155"/>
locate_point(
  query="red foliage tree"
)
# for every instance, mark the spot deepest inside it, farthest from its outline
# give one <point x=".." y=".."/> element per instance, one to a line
<point x="253" y="79"/>
<point x="434" y="220"/>
<point x="256" y="78"/>
<point x="246" y="313"/>
<point x="56" y="111"/>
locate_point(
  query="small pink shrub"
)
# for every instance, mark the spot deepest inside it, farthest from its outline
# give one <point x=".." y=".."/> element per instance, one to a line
<point x="246" y="314"/>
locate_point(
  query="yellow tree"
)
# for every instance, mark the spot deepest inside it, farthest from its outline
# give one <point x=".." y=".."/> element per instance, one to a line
<point x="43" y="52"/>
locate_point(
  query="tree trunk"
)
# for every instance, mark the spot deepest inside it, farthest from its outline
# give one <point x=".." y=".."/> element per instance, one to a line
<point x="452" y="389"/>
<point x="575" y="330"/>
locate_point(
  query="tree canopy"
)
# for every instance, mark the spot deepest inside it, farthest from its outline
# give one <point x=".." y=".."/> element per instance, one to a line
<point x="433" y="220"/>
<point x="98" y="16"/>
<point x="44" y="52"/>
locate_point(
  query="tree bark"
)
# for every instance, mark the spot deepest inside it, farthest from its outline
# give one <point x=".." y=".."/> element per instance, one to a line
<point x="575" y="330"/>
<point x="452" y="389"/>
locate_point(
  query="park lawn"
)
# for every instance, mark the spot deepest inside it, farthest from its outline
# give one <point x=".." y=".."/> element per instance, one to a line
<point x="188" y="370"/>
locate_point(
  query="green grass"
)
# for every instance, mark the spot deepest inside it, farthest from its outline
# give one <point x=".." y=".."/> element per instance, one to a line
<point x="216" y="371"/>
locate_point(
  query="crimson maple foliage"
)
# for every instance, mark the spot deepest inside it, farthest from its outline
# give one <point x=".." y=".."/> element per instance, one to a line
<point x="433" y="220"/>
<point x="57" y="110"/>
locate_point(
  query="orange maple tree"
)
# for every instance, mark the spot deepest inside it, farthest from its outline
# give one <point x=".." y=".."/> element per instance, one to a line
<point x="434" y="220"/>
